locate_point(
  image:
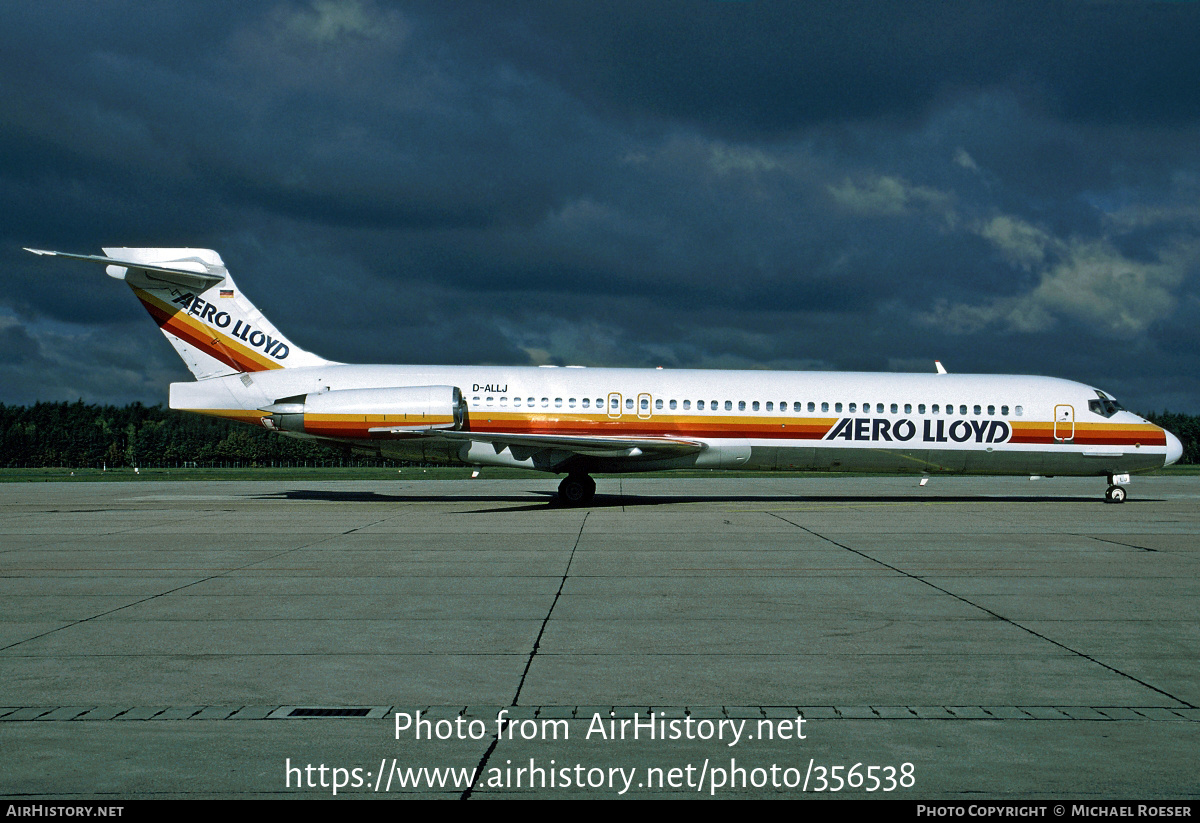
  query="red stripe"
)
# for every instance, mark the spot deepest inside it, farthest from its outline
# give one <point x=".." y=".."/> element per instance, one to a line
<point x="209" y="342"/>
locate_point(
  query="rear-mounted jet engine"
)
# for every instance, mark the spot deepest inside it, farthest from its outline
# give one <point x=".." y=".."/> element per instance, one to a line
<point x="369" y="412"/>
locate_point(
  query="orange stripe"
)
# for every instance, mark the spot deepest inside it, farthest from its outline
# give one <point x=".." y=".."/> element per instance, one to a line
<point x="355" y="426"/>
<point x="358" y="425"/>
<point x="1090" y="434"/>
<point x="716" y="427"/>
<point x="210" y="341"/>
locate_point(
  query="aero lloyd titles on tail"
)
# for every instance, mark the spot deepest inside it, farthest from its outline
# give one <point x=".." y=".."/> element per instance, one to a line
<point x="242" y="330"/>
<point x="583" y="421"/>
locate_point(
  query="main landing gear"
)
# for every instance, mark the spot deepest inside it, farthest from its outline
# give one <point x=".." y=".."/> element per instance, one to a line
<point x="1116" y="489"/>
<point x="576" y="490"/>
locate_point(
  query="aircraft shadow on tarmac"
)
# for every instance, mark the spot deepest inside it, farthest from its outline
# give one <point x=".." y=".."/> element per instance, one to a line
<point x="325" y="496"/>
<point x="612" y="501"/>
<point x="608" y="501"/>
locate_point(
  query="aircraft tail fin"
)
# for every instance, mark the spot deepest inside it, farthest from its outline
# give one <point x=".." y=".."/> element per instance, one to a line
<point x="200" y="310"/>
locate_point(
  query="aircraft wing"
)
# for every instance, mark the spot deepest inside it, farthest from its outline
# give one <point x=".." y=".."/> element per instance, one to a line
<point x="582" y="444"/>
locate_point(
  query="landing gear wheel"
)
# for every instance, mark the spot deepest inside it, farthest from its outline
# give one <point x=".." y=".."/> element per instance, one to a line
<point x="1115" y="494"/>
<point x="576" y="490"/>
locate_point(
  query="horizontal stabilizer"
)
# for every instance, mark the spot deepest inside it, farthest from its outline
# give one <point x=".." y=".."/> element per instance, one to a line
<point x="197" y="276"/>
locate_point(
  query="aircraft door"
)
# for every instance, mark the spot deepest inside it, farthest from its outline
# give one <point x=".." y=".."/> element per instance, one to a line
<point x="644" y="406"/>
<point x="614" y="404"/>
<point x="1064" y="423"/>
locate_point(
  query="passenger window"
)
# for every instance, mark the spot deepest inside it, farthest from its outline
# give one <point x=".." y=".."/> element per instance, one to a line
<point x="700" y="405"/>
<point x="811" y="406"/>
<point x="571" y="402"/>
<point x="962" y="409"/>
<point x="920" y="408"/>
<point x="614" y="403"/>
<point x="1019" y="411"/>
<point x="949" y="408"/>
<point x="586" y="402"/>
<point x="895" y="408"/>
<point x="516" y="401"/>
<point x="491" y="400"/>
<point x="645" y="404"/>
<point x="741" y="405"/>
<point x="978" y="409"/>
<point x="687" y="404"/>
<point x="935" y="408"/>
<point x="770" y="405"/>
<point x="712" y="404"/>
<point x="824" y="407"/>
<point x="853" y="408"/>
<point x="504" y="400"/>
<point x="1004" y="410"/>
<point x="837" y="407"/>
<point x="474" y="399"/>
<point x="991" y="410"/>
<point x="908" y="408"/>
<point x="728" y="405"/>
<point x="754" y="406"/>
<point x="658" y="404"/>
<point x="599" y="402"/>
<point x="629" y="402"/>
<point x="558" y="402"/>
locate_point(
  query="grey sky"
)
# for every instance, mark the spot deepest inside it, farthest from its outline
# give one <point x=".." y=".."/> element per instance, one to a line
<point x="1009" y="187"/>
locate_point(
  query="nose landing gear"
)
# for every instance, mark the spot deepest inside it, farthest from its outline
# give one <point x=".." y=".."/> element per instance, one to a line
<point x="576" y="490"/>
<point x="1116" y="488"/>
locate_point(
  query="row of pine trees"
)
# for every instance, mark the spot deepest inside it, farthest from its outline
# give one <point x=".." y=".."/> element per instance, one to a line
<point x="79" y="435"/>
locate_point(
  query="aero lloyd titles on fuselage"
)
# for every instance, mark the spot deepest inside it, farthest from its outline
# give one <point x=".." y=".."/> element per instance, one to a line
<point x="212" y="314"/>
<point x="879" y="429"/>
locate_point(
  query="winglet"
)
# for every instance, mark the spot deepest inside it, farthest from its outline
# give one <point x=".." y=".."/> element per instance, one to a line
<point x="940" y="368"/>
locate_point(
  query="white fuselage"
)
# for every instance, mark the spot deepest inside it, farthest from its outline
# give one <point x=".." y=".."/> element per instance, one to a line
<point x="834" y="421"/>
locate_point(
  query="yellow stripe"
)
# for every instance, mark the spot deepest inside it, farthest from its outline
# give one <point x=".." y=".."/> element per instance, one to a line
<point x="235" y="347"/>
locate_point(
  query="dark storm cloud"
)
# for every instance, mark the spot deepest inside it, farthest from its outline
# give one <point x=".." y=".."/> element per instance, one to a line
<point x="1010" y="187"/>
<point x="779" y="66"/>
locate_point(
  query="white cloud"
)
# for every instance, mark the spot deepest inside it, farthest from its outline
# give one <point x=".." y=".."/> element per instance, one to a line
<point x="889" y="196"/>
<point x="329" y="21"/>
<point x="1021" y="244"/>
<point x="726" y="159"/>
<point x="1086" y="279"/>
<point x="964" y="160"/>
<point x="1096" y="284"/>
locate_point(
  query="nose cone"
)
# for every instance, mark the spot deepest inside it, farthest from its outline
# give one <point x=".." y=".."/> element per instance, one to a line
<point x="1174" y="449"/>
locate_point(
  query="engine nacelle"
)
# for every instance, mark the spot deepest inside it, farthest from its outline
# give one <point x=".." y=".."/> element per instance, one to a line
<point x="369" y="413"/>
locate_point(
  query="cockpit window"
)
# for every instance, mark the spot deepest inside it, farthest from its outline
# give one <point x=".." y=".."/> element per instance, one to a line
<point x="1105" y="406"/>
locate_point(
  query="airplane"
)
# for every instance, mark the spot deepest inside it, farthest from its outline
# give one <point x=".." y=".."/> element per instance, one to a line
<point x="578" y="421"/>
